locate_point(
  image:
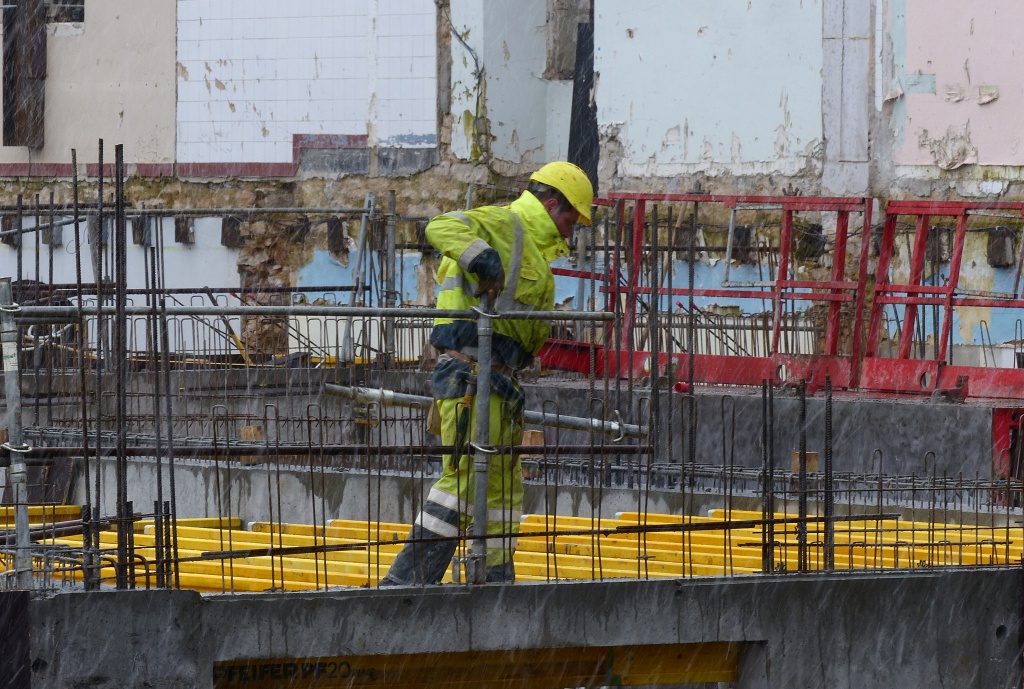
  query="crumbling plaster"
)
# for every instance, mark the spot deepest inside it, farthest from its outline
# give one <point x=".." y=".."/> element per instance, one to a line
<point x="505" y="113"/>
<point x="963" y="95"/>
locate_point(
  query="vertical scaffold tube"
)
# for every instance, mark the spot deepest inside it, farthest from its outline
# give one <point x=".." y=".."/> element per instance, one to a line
<point x="477" y="573"/>
<point x="15" y="444"/>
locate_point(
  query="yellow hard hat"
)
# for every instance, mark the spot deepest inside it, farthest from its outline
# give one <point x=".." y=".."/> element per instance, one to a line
<point x="572" y="182"/>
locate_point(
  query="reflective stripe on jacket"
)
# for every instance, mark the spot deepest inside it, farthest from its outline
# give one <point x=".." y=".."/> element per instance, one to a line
<point x="525" y="255"/>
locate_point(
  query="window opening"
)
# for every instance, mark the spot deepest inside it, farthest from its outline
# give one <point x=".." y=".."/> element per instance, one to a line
<point x="58" y="11"/>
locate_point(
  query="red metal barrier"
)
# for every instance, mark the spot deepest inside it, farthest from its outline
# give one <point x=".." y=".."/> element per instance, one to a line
<point x="871" y="370"/>
<point x="874" y="371"/>
<point x="903" y="373"/>
<point x="623" y="284"/>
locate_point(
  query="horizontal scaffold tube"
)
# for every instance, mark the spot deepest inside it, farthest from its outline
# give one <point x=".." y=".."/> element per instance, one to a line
<point x="389" y="398"/>
<point x="53" y="313"/>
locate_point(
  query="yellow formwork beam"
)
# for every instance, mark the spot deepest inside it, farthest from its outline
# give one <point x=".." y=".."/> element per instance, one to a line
<point x="147" y="525"/>
<point x="865" y="519"/>
<point x="582" y="545"/>
<point x="352" y="530"/>
<point x="894" y="541"/>
<point x="706" y="547"/>
<point x="206" y="545"/>
<point x="287" y="578"/>
<point x="617" y="555"/>
<point x="277" y="538"/>
<point x="40" y="514"/>
<point x="888" y="531"/>
<point x="717" y="561"/>
<point x="270" y="571"/>
<point x="710" y="537"/>
<point x="356" y="524"/>
<point x="561" y="567"/>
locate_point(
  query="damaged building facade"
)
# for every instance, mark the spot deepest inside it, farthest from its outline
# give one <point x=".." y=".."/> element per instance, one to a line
<point x="831" y="97"/>
<point x="314" y="105"/>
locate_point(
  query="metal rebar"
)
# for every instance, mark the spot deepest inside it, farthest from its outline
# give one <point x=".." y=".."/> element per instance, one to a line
<point x="390" y="269"/>
<point x="654" y="316"/>
<point x="201" y="212"/>
<point x="358" y="278"/>
<point x="830" y="527"/>
<point x="802" y="555"/>
<point x="48" y="314"/>
<point x="39" y="456"/>
<point x="121" y="372"/>
<point x="90" y="536"/>
<point x="173" y="523"/>
<point x="685" y="527"/>
<point x="766" y="546"/>
<point x="771" y="476"/>
<point x="102" y="344"/>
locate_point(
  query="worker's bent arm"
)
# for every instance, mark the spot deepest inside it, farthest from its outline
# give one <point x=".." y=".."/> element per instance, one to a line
<point x="455" y="238"/>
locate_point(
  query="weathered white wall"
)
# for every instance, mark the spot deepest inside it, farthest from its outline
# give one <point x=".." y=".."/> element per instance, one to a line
<point x="527" y="115"/>
<point x="846" y="96"/>
<point x="110" y="77"/>
<point x="251" y="73"/>
<point x="690" y="86"/>
<point x="467" y="19"/>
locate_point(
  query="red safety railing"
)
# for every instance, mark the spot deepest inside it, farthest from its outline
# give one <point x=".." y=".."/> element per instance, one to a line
<point x="623" y="287"/>
<point x="895" y="356"/>
<point x="919" y="373"/>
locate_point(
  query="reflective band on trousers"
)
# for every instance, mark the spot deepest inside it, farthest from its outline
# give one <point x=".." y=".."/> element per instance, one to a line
<point x="438" y="526"/>
<point x="452" y="502"/>
<point x="445" y="499"/>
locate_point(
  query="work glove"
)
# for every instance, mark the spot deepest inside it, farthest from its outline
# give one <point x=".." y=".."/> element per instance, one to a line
<point x="489" y="273"/>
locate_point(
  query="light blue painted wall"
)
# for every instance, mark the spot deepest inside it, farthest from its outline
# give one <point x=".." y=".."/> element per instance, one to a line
<point x="326" y="270"/>
<point x="699" y="86"/>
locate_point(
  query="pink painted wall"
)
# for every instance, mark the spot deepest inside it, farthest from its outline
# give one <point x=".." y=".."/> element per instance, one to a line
<point x="972" y="48"/>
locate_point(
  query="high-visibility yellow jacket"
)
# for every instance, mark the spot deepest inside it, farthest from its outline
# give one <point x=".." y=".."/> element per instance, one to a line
<point x="529" y="284"/>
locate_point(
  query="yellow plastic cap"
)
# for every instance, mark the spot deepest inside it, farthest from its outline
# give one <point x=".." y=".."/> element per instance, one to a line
<point x="572" y="182"/>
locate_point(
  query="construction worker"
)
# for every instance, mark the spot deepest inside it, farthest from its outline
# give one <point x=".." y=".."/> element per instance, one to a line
<point x="502" y="252"/>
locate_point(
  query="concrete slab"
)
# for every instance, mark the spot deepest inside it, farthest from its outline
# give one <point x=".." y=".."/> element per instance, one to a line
<point x="953" y="628"/>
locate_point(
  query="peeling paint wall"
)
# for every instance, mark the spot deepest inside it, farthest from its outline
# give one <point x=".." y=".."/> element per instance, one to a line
<point x="503" y="109"/>
<point x="954" y="68"/>
<point x="691" y="86"/>
<point x="468" y="79"/>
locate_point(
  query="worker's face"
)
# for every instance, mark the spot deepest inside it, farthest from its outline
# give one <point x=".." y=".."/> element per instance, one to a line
<point x="564" y="219"/>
